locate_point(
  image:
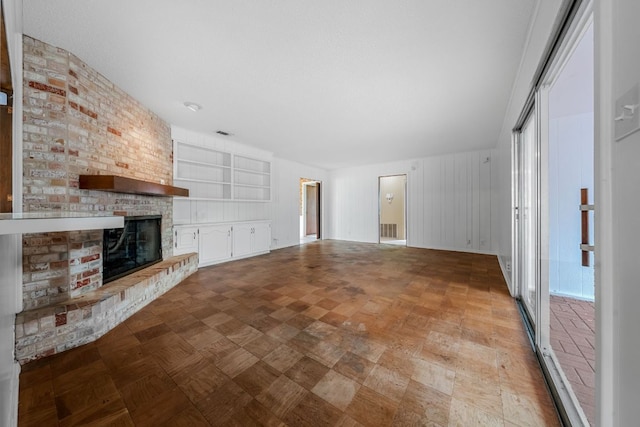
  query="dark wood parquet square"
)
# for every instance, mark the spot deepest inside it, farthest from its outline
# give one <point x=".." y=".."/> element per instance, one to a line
<point x="330" y="333"/>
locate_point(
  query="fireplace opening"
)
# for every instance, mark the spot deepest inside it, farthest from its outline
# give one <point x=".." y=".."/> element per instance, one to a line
<point x="136" y="246"/>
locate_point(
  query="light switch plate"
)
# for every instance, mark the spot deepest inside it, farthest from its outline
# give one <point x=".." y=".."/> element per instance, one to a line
<point x="627" y="114"/>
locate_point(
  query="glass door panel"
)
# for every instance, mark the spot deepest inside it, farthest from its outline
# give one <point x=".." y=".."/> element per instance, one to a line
<point x="528" y="206"/>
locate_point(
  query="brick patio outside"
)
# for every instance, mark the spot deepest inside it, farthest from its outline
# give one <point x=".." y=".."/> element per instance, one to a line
<point x="573" y="339"/>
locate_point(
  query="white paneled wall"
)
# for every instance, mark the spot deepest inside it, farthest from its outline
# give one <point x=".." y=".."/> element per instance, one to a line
<point x="285" y="225"/>
<point x="456" y="202"/>
<point x="448" y="203"/>
<point x="353" y="203"/>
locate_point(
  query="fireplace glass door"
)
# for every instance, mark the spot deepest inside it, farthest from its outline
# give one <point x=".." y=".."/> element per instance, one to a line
<point x="137" y="245"/>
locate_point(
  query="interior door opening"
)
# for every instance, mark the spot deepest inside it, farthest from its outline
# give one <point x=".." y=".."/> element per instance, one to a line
<point x="392" y="210"/>
<point x="310" y="210"/>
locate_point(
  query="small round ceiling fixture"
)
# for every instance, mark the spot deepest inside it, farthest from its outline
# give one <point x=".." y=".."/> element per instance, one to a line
<point x="193" y="106"/>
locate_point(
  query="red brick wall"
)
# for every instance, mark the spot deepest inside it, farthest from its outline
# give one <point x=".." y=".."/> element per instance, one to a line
<point x="78" y="122"/>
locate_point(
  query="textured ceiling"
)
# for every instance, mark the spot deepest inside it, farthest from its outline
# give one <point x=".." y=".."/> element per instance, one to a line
<point x="330" y="83"/>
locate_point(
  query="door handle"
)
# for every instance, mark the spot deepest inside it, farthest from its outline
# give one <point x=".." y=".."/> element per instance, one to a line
<point x="585" y="207"/>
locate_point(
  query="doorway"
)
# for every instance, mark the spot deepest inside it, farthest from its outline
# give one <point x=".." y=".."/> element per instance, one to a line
<point x="553" y="220"/>
<point x="6" y="125"/>
<point x="392" y="217"/>
<point x="310" y="220"/>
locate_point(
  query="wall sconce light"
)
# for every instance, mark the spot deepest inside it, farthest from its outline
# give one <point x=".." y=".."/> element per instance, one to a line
<point x="389" y="197"/>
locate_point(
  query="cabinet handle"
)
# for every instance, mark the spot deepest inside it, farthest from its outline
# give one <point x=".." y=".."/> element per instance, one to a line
<point x="194" y="235"/>
<point x="175" y="240"/>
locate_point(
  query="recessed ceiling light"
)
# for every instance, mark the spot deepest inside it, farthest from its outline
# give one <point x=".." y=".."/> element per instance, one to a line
<point x="192" y="106"/>
<point x="221" y="132"/>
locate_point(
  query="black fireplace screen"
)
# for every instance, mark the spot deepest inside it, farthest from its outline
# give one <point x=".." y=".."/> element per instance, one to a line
<point x="137" y="245"/>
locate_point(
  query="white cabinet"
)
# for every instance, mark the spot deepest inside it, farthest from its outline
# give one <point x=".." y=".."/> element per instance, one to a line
<point x="214" y="244"/>
<point x="185" y="240"/>
<point x="261" y="237"/>
<point x="217" y="243"/>
<point x="242" y="237"/>
<point x="251" y="238"/>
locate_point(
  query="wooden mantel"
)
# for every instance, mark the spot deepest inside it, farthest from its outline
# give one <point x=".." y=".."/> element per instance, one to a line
<point x="120" y="184"/>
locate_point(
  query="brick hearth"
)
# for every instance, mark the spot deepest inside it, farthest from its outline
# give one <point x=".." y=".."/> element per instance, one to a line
<point x="77" y="321"/>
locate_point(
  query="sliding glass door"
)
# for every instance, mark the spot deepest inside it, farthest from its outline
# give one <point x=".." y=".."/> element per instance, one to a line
<point x="553" y="209"/>
<point x="527" y="218"/>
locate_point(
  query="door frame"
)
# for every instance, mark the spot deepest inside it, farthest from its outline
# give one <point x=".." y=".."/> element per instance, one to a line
<point x="406" y="203"/>
<point x="318" y="185"/>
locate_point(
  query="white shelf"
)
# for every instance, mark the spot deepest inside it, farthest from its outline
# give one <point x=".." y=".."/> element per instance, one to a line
<point x="205" y="181"/>
<point x="220" y="175"/>
<point x="268" y="187"/>
<point x="253" y="171"/>
<point x="199" y="163"/>
<point x="211" y="199"/>
<point x="46" y="222"/>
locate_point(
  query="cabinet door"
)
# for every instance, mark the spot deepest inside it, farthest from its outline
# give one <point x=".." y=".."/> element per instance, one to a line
<point x="242" y="236"/>
<point x="261" y="237"/>
<point x="185" y="240"/>
<point x="215" y="244"/>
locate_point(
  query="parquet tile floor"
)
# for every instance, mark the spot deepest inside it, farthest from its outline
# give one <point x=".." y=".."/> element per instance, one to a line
<point x="329" y="333"/>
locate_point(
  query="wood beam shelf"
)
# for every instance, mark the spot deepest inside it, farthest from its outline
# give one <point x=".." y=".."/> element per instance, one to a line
<point x="120" y="184"/>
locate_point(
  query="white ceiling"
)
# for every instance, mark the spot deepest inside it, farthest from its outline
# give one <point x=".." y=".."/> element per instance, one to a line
<point x="329" y="83"/>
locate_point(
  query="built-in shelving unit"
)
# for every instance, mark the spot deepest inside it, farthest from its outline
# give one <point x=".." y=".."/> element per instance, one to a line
<point x="211" y="174"/>
<point x="251" y="179"/>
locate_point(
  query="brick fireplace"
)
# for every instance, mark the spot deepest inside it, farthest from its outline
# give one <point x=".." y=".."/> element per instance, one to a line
<point x="76" y="122"/>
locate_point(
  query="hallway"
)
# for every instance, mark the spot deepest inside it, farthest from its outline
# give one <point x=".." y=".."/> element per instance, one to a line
<point x="329" y="333"/>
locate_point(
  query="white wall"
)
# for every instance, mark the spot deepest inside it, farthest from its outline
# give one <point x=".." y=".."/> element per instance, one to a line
<point x="353" y="200"/>
<point x="570" y="169"/>
<point x="539" y="32"/>
<point x="618" y="163"/>
<point x="285" y="226"/>
<point x="448" y="201"/>
<point x="11" y="246"/>
<point x="9" y="305"/>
